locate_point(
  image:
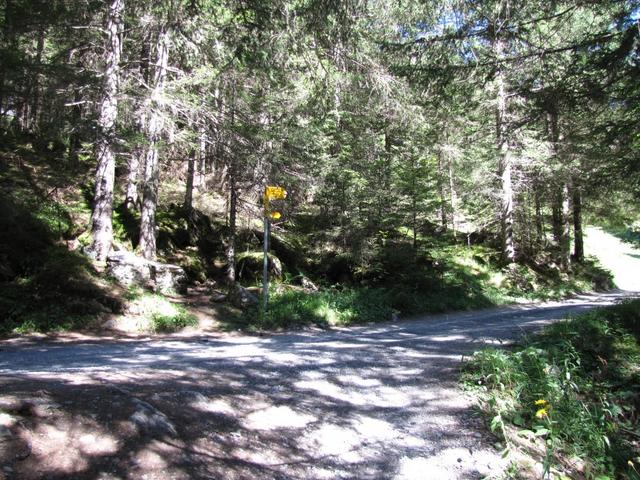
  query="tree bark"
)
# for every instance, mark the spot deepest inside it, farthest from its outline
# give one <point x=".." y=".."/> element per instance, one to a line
<point x="101" y="218"/>
<point x="441" y="190"/>
<point x="131" y="194"/>
<point x="154" y="131"/>
<point x="34" y="113"/>
<point x="561" y="211"/>
<point x="452" y="197"/>
<point x="233" y="208"/>
<point x="578" y="242"/>
<point x="75" y="141"/>
<point x="539" y="219"/>
<point x="231" y="241"/>
<point x="191" y="168"/>
<point x="505" y="159"/>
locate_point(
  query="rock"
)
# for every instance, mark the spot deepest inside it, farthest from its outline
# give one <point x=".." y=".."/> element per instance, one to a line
<point x="218" y="297"/>
<point x="129" y="269"/>
<point x="242" y="297"/>
<point x="4" y="432"/>
<point x="151" y="420"/>
<point x="308" y="284"/>
<point x="250" y="265"/>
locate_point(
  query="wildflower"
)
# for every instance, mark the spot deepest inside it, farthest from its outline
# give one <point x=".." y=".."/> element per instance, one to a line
<point x="541" y="413"/>
<point x="540" y="402"/>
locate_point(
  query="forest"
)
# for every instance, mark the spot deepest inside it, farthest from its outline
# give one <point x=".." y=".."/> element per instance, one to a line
<point x="436" y="155"/>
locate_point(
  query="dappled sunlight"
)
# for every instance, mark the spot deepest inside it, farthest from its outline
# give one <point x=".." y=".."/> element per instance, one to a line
<point x="277" y="417"/>
<point x="464" y="464"/>
<point x="382" y="401"/>
<point x="616" y="256"/>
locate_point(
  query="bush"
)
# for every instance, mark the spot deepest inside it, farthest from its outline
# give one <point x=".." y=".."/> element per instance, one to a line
<point x="172" y="323"/>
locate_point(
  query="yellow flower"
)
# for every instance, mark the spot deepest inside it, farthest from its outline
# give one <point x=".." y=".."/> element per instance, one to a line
<point x="541" y="402"/>
<point x="541" y="413"/>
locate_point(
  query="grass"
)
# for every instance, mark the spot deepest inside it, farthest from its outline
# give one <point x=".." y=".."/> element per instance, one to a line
<point x="156" y="313"/>
<point x="294" y="308"/>
<point x="572" y="391"/>
<point x="401" y="282"/>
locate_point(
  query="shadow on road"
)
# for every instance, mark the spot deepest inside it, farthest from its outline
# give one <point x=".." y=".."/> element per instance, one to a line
<point x="368" y="402"/>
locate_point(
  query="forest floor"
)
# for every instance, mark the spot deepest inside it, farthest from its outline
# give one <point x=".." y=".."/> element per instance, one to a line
<point x="378" y="401"/>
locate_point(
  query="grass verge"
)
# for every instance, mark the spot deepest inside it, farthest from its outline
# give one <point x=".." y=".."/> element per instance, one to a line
<point x="569" y="396"/>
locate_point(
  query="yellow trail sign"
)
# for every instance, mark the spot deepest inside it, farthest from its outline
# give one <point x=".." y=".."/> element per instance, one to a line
<point x="274" y="193"/>
<point x="271" y="193"/>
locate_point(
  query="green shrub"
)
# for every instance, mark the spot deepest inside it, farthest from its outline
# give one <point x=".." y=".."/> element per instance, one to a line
<point x="572" y="386"/>
<point x="172" y="323"/>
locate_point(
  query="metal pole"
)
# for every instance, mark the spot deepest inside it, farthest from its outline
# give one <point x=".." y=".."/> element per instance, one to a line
<point x="265" y="266"/>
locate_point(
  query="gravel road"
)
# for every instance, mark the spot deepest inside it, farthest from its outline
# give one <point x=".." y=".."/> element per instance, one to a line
<point x="371" y="402"/>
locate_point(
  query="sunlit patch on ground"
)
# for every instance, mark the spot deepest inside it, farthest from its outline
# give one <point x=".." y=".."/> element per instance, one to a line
<point x="277" y="417"/>
<point x="620" y="258"/>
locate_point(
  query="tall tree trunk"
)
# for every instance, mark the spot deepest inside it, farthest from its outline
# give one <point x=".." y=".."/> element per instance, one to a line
<point x="539" y="220"/>
<point x="8" y="41"/>
<point x="154" y="131"/>
<point x="131" y="199"/>
<point x="561" y="212"/>
<point x="505" y="159"/>
<point x="35" y="88"/>
<point x="75" y="140"/>
<point x="101" y="226"/>
<point x="441" y="191"/>
<point x="191" y="168"/>
<point x="565" y="244"/>
<point x="131" y="194"/>
<point x="200" y="169"/>
<point x="578" y="242"/>
<point x="233" y="207"/>
<point x="452" y="196"/>
<point x="231" y="241"/>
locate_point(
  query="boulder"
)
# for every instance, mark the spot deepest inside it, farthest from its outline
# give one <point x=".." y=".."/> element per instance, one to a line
<point x="129" y="269"/>
<point x="250" y="265"/>
<point x="308" y="284"/>
<point x="217" y="296"/>
<point x="242" y="297"/>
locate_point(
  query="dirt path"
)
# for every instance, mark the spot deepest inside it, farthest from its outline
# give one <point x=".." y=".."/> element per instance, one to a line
<point x="372" y="402"/>
<point x="620" y="258"/>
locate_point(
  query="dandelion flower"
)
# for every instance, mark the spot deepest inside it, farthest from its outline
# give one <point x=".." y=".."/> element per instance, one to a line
<point x="542" y="413"/>
<point x="540" y="402"/>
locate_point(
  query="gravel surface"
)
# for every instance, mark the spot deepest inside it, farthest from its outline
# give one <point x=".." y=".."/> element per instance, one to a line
<point x="370" y="402"/>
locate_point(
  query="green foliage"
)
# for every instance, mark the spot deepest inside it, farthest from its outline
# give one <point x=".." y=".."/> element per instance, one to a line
<point x="294" y="308"/>
<point x="158" y="314"/>
<point x="573" y="386"/>
<point x="171" y="323"/>
<point x="627" y="234"/>
<point x="43" y="285"/>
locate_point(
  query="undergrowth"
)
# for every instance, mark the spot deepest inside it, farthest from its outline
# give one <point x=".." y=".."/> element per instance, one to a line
<point x="292" y="308"/>
<point x="405" y="283"/>
<point x="574" y="390"/>
<point x="156" y="313"/>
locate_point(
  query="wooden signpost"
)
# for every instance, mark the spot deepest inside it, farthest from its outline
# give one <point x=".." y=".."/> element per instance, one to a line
<point x="271" y="193"/>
